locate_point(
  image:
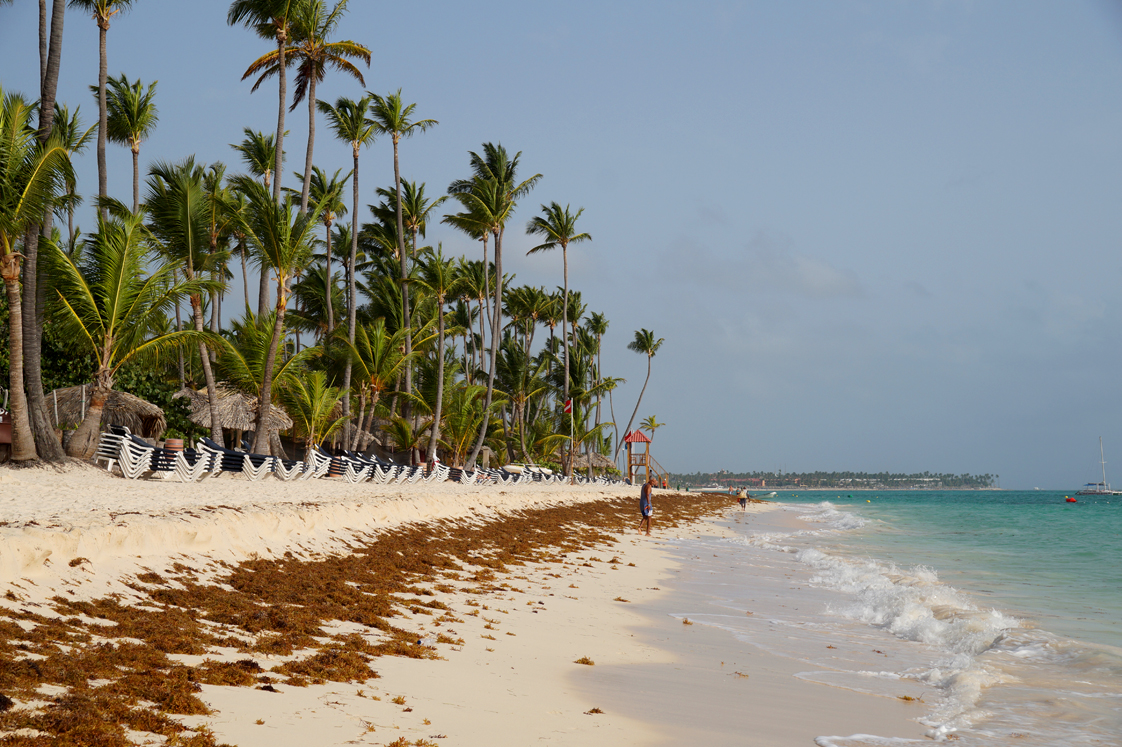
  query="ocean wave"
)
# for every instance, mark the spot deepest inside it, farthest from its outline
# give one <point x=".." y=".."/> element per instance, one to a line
<point x="994" y="674"/>
<point x="827" y="513"/>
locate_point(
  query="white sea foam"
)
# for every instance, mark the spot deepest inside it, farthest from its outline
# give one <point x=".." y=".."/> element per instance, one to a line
<point x="863" y="740"/>
<point x="902" y="631"/>
<point x="827" y="513"/>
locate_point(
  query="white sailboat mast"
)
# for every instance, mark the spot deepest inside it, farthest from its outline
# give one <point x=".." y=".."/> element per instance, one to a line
<point x="1102" y="459"/>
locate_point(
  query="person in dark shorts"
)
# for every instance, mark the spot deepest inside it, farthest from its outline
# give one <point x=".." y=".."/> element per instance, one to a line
<point x="645" y="507"/>
<point x="743" y="500"/>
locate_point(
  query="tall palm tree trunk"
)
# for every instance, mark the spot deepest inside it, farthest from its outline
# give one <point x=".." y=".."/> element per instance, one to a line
<point x="486" y="292"/>
<point x="311" y="145"/>
<point x="615" y="423"/>
<point x="565" y="316"/>
<point x="496" y="333"/>
<point x="135" y="177"/>
<point x="599" y="377"/>
<point x="352" y="294"/>
<point x="245" y="275"/>
<point x="263" y="292"/>
<point x="83" y="442"/>
<point x="208" y="372"/>
<point x="23" y="442"/>
<point x="636" y="410"/>
<point x="282" y="89"/>
<point x="353" y="441"/>
<point x="261" y="439"/>
<point x="565" y="341"/>
<point x="329" y="288"/>
<point x="477" y="350"/>
<point x="47" y="445"/>
<point x="406" y="408"/>
<point x="178" y="327"/>
<point x="43" y="46"/>
<point x="102" y="125"/>
<point x="434" y="436"/>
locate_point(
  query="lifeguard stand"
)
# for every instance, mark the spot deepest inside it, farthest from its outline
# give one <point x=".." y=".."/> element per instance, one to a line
<point x="638" y="460"/>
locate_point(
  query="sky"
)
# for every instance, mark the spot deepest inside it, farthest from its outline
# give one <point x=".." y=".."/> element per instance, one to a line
<point x="873" y="235"/>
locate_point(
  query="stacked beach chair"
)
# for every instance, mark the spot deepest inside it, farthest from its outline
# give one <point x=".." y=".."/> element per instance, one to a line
<point x="136" y="459"/>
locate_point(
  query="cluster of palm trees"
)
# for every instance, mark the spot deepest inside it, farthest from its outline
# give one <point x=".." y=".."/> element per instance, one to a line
<point x="395" y="344"/>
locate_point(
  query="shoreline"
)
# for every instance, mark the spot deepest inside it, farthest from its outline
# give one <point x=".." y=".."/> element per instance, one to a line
<point x="499" y="660"/>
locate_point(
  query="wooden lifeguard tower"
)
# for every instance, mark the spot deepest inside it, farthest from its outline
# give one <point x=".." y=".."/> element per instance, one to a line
<point x="638" y="454"/>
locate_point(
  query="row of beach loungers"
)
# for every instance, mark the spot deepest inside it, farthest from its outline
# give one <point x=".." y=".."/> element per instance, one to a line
<point x="138" y="459"/>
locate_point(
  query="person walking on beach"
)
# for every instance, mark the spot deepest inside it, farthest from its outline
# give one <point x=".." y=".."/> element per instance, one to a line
<point x="743" y="500"/>
<point x="645" y="506"/>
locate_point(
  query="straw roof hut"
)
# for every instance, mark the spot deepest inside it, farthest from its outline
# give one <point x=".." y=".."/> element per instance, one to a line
<point x="236" y="411"/>
<point x="139" y="416"/>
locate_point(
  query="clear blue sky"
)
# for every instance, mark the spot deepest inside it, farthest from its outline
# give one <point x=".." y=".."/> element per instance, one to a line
<point x="875" y="235"/>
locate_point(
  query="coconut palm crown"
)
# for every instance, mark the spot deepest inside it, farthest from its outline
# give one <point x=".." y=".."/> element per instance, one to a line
<point x="557" y="226"/>
<point x="131" y="116"/>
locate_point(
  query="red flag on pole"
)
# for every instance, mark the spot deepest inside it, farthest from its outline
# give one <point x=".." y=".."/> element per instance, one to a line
<point x="569" y="406"/>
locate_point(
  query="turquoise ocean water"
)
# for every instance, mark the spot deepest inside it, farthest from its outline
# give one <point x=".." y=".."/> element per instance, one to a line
<point x="1001" y="611"/>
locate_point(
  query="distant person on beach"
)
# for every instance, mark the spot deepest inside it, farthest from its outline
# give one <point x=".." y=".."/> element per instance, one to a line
<point x="645" y="506"/>
<point x="743" y="500"/>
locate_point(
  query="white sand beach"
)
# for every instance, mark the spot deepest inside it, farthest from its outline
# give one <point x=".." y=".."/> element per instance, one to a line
<point x="512" y="680"/>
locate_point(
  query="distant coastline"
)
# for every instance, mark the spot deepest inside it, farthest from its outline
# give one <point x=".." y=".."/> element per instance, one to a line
<point x="835" y="481"/>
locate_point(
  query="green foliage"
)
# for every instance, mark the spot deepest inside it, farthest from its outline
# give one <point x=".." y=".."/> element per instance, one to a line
<point x="63" y="363"/>
<point x="157" y="386"/>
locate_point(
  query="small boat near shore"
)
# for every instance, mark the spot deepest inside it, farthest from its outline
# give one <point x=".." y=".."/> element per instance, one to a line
<point x="1099" y="488"/>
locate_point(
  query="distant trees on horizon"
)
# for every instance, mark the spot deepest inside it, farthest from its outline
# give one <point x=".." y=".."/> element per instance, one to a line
<point x="838" y="479"/>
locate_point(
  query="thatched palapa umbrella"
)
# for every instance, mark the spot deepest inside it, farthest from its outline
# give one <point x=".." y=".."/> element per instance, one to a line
<point x="236" y="411"/>
<point x="139" y="416"/>
<point x="599" y="461"/>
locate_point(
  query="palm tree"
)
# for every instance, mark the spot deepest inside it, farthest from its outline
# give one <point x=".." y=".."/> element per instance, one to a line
<point x="223" y="210"/>
<point x="102" y="11"/>
<point x="349" y="121"/>
<point x="113" y="307"/>
<point x="259" y="151"/>
<point x="327" y="193"/>
<point x="176" y="202"/>
<point x="598" y="326"/>
<point x="310" y="294"/>
<point x="312" y="24"/>
<point x="75" y="140"/>
<point x="31" y="176"/>
<point x="392" y="117"/>
<point x="520" y="377"/>
<point x="438" y="276"/>
<point x="558" y="227"/>
<point x="651" y="425"/>
<point x="34" y="292"/>
<point x="379" y="357"/>
<point x="490" y="198"/>
<point x="245" y="347"/>
<point x="271" y="20"/>
<point x="465" y="418"/>
<point x="284" y="245"/>
<point x="310" y="402"/>
<point x="646" y="344"/>
<point x="131" y="117"/>
<point x="474" y="224"/>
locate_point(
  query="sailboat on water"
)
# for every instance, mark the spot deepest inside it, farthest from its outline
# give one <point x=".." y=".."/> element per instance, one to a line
<point x="1099" y="488"/>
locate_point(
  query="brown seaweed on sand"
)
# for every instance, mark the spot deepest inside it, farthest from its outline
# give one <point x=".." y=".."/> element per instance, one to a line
<point x="111" y="655"/>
